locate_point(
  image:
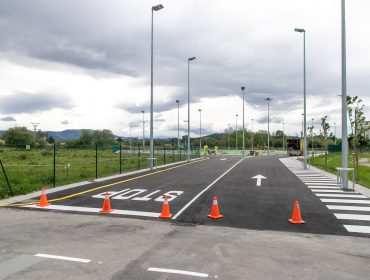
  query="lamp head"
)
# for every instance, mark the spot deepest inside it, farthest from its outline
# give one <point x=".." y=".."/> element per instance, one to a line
<point x="243" y="88"/>
<point x="299" y="30"/>
<point x="157" y="7"/>
<point x="142" y="111"/>
<point x="191" y="58"/>
<point x="177" y="101"/>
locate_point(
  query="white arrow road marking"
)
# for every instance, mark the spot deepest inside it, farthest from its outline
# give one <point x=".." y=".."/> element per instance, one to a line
<point x="259" y="179"/>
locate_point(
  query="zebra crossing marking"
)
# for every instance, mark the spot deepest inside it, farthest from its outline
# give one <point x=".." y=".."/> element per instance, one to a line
<point x="335" y="198"/>
<point x="348" y="208"/>
<point x="352" y="217"/>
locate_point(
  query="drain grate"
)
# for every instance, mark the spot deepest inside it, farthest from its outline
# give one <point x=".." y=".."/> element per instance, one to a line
<point x="185" y="223"/>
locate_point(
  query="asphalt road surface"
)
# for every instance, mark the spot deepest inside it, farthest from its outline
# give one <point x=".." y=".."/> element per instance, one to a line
<point x="192" y="186"/>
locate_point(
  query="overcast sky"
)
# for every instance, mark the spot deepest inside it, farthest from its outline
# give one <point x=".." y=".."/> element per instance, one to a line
<point x="86" y="63"/>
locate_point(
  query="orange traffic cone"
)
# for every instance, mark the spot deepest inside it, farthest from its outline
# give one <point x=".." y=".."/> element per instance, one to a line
<point x="165" y="209"/>
<point x="43" y="199"/>
<point x="215" y="213"/>
<point x="106" y="205"/>
<point x="296" y="217"/>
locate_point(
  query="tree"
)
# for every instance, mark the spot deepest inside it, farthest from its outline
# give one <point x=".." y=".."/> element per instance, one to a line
<point x="18" y="136"/>
<point x="358" y="125"/>
<point x="324" y="134"/>
<point x="103" y="137"/>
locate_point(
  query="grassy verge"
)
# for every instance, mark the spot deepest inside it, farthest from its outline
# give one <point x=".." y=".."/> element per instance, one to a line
<point x="28" y="170"/>
<point x="335" y="160"/>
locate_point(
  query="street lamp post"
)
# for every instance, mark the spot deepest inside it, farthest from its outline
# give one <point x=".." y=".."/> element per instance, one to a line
<point x="344" y="100"/>
<point x="178" y="125"/>
<point x="243" y="88"/>
<point x="143" y="132"/>
<point x="304" y="98"/>
<point x="189" y="59"/>
<point x="154" y="8"/>
<point x="185" y="140"/>
<point x="236" y="132"/>
<point x="200" y="131"/>
<point x="302" y="126"/>
<point x="252" y="135"/>
<point x="283" y="137"/>
<point x="268" y="99"/>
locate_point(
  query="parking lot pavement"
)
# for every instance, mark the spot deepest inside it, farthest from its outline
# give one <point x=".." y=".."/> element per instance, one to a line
<point x="252" y="193"/>
<point x="144" y="249"/>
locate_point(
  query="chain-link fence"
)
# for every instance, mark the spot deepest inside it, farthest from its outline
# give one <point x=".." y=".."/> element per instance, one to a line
<point x="24" y="169"/>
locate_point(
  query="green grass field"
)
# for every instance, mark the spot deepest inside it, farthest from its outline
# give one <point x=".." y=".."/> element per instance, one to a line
<point x="28" y="170"/>
<point x="335" y="160"/>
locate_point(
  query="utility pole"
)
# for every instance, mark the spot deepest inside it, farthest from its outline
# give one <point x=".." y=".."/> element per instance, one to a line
<point x="35" y="125"/>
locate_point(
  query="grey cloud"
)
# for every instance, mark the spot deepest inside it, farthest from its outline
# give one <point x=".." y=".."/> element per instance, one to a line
<point x="23" y="102"/>
<point x="8" y="119"/>
<point x="115" y="39"/>
<point x="64" y="122"/>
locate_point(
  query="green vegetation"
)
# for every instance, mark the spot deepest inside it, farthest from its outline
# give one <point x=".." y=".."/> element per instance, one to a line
<point x="335" y="160"/>
<point x="28" y="170"/>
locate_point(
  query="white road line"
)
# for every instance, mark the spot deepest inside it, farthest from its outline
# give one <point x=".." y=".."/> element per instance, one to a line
<point x="175" y="271"/>
<point x="352" y="217"/>
<point x="321" y="184"/>
<point x="318" y="181"/>
<point x="357" y="229"/>
<point x="326" y="191"/>
<point x="62" y="258"/>
<point x="357" y="201"/>
<point x="341" y="195"/>
<point x="203" y="191"/>
<point x="96" y="210"/>
<point x="348" y="208"/>
<point x="322" y="187"/>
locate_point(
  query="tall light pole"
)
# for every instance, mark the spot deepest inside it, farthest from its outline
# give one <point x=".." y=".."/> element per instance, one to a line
<point x="178" y="125"/>
<point x="344" y="100"/>
<point x="283" y="138"/>
<point x="154" y="8"/>
<point x="243" y="88"/>
<point x="252" y="134"/>
<point x="302" y="126"/>
<point x="236" y="132"/>
<point x="304" y="97"/>
<point x="185" y="121"/>
<point x="228" y="136"/>
<point x="200" y="130"/>
<point x="189" y="59"/>
<point x="143" y="132"/>
<point x="268" y="99"/>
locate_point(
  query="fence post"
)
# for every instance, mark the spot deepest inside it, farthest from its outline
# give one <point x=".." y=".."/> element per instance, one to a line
<point x="120" y="159"/>
<point x="6" y="177"/>
<point x="54" y="165"/>
<point x="96" y="161"/>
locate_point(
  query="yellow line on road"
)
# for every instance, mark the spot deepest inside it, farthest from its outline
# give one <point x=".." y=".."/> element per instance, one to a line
<point x="106" y="186"/>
